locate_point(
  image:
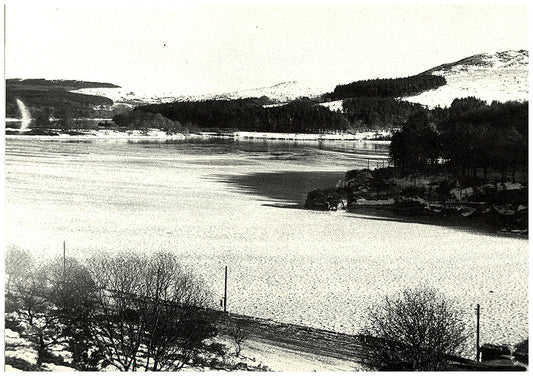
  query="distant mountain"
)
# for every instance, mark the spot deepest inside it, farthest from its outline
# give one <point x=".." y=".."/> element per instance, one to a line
<point x="501" y="76"/>
<point x="279" y="93"/>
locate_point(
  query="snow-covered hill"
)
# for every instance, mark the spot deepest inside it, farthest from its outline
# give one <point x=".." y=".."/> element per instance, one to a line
<point x="281" y="93"/>
<point x="501" y="76"/>
<point x="128" y="96"/>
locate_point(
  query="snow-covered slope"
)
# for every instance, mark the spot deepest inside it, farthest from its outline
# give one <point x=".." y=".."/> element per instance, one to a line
<point x="129" y="96"/>
<point x="282" y="92"/>
<point x="501" y="76"/>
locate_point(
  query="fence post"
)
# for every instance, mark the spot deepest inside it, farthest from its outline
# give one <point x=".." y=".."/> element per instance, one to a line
<point x="477" y="333"/>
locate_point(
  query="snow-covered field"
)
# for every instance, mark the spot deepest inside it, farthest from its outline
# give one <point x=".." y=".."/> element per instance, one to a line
<point x="221" y="203"/>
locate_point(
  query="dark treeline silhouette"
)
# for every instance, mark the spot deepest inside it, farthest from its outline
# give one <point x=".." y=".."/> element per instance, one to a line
<point x="469" y="135"/>
<point x="389" y="87"/>
<point x="140" y="120"/>
<point x="301" y="116"/>
<point x="58" y="84"/>
<point x="305" y="117"/>
<point x="375" y="113"/>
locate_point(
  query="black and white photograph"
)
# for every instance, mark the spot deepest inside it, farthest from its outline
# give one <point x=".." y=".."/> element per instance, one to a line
<point x="265" y="186"/>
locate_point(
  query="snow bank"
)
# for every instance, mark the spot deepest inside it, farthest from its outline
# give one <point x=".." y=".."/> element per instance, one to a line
<point x="285" y="360"/>
<point x="107" y="134"/>
<point x="333" y="105"/>
<point x="314" y="136"/>
<point x="56" y="368"/>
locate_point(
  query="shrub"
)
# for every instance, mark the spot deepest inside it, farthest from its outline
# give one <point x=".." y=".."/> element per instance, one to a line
<point x="415" y="331"/>
<point x="444" y="188"/>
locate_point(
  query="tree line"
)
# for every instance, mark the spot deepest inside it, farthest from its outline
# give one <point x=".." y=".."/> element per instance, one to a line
<point x="377" y="113"/>
<point x="300" y="116"/>
<point x="470" y="135"/>
<point x="139" y="120"/>
<point x="388" y="87"/>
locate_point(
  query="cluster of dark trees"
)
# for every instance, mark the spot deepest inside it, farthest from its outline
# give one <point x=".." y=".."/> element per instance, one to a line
<point x="135" y="312"/>
<point x="389" y="87"/>
<point x="239" y="113"/>
<point x="140" y="120"/>
<point x="301" y="116"/>
<point x="377" y="113"/>
<point x="469" y="135"/>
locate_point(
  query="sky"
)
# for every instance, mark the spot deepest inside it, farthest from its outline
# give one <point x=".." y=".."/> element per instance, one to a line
<point x="209" y="48"/>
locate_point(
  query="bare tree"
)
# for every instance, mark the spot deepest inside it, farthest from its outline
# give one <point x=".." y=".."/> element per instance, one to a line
<point x="115" y="326"/>
<point x="18" y="261"/>
<point x="71" y="291"/>
<point x="415" y="331"/>
<point x="147" y="312"/>
<point x="53" y="299"/>
<point x="175" y="328"/>
<point x="31" y="299"/>
<point x="70" y="288"/>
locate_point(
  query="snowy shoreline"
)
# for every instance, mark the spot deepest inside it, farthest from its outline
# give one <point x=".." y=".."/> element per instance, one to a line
<point x="161" y="135"/>
<point x="360" y="136"/>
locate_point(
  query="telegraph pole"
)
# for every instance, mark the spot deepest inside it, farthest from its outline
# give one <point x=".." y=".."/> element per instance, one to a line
<point x="477" y="333"/>
<point x="225" y="288"/>
<point x="64" y="259"/>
